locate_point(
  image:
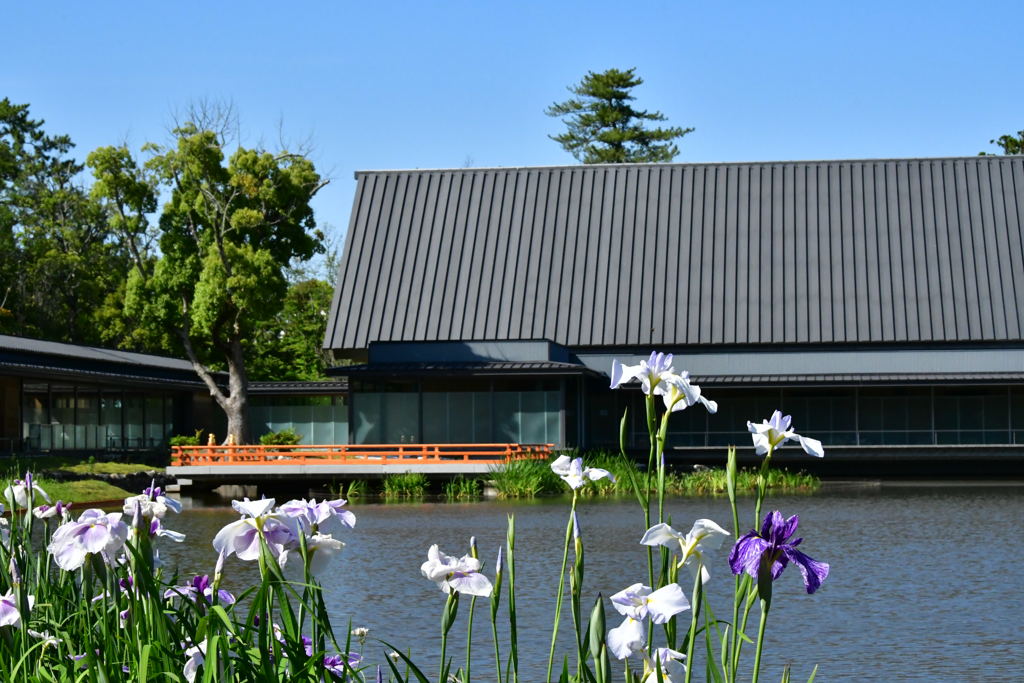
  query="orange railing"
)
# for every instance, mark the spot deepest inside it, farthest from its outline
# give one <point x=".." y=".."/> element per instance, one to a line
<point x="359" y="454"/>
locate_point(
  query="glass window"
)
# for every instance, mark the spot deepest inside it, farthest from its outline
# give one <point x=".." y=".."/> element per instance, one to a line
<point x="62" y="415"/>
<point x="134" y="428"/>
<point x="154" y="407"/>
<point x="35" y="415"/>
<point x="110" y="417"/>
<point x="736" y="407"/>
<point x="978" y="415"/>
<point x="895" y="416"/>
<point x="87" y="419"/>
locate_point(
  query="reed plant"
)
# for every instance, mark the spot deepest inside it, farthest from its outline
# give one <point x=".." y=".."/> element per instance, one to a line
<point x="405" y="485"/>
<point x="462" y="488"/>
<point x="524" y="479"/>
<point x="714" y="482"/>
<point x="357" y="488"/>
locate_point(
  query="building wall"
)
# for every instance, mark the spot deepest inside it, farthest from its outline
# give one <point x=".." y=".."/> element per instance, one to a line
<point x="838" y="416"/>
<point x="316" y="419"/>
<point x="453" y="411"/>
<point x="83" y="416"/>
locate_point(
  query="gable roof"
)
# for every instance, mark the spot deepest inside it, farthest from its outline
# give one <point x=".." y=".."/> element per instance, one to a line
<point x="875" y="251"/>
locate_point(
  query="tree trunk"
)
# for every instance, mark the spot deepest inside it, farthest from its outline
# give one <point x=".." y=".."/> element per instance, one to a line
<point x="235" y="403"/>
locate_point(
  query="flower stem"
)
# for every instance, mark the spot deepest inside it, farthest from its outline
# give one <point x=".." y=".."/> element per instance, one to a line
<point x="662" y="436"/>
<point x="651" y="414"/>
<point x="513" y="631"/>
<point x="695" y="602"/>
<point x="762" y="486"/>
<point x="469" y="635"/>
<point x="765" y="605"/>
<point x="451" y="607"/>
<point x="561" y="586"/>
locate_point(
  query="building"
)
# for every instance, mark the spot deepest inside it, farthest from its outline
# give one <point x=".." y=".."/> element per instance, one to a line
<point x="880" y="302"/>
<point x="68" y="398"/>
<point x="64" y="397"/>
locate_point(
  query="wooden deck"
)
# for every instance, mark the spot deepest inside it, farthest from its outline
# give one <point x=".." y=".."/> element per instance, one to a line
<point x="339" y="460"/>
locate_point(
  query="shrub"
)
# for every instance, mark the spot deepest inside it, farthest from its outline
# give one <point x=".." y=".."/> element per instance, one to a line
<point x="285" y="437"/>
<point x="186" y="440"/>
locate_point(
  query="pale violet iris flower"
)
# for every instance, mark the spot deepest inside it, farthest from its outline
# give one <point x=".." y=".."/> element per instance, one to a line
<point x="650" y="372"/>
<point x="636" y="603"/>
<point x="705" y="535"/>
<point x="94" y="532"/>
<point x="775" y="431"/>
<point x="156" y="528"/>
<point x="671" y="664"/>
<point x="572" y="471"/>
<point x="49" y="511"/>
<point x="312" y="515"/>
<point x="20" y="491"/>
<point x="9" y="613"/>
<point x="243" y="537"/>
<point x="152" y="504"/>
<point x="196" y="658"/>
<point x="461" y="575"/>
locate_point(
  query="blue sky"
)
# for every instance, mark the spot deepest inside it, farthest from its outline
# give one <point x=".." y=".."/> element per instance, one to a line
<point x="427" y="85"/>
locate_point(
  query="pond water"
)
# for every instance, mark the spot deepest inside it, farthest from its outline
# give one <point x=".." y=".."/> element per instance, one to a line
<point x="923" y="582"/>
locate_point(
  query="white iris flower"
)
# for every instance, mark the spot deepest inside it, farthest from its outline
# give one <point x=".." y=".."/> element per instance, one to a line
<point x="775" y="431"/>
<point x="704" y="536"/>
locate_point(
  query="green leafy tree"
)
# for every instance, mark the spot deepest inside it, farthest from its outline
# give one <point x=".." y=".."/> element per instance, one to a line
<point x="289" y="348"/>
<point x="61" y="262"/>
<point x="227" y="233"/>
<point x="1010" y="144"/>
<point x="604" y="128"/>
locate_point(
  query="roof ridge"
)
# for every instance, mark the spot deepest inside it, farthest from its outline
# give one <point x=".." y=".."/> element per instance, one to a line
<point x="552" y="167"/>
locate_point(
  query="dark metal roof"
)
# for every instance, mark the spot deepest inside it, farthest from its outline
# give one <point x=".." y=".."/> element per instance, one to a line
<point x="36" y="357"/>
<point x="41" y="347"/>
<point x="128" y="376"/>
<point x="475" y="368"/>
<point x="876" y="251"/>
<point x="311" y="388"/>
<point x="861" y="379"/>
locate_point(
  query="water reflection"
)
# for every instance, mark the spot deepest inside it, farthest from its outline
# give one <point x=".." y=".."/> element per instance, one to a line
<point x="922" y="583"/>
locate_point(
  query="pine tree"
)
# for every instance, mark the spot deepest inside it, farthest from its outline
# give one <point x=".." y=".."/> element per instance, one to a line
<point x="1009" y="143"/>
<point x="603" y="128"/>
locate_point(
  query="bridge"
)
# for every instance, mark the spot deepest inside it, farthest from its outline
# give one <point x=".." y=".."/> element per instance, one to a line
<point x="230" y="464"/>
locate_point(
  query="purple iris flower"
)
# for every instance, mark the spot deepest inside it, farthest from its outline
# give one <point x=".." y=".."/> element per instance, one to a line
<point x="199" y="589"/>
<point x="336" y="664"/>
<point x="770" y="548"/>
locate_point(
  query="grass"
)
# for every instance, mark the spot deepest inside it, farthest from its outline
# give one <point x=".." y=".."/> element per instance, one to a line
<point x="532" y="478"/>
<point x="44" y="463"/>
<point x="78" y="492"/>
<point x="405" y="485"/>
